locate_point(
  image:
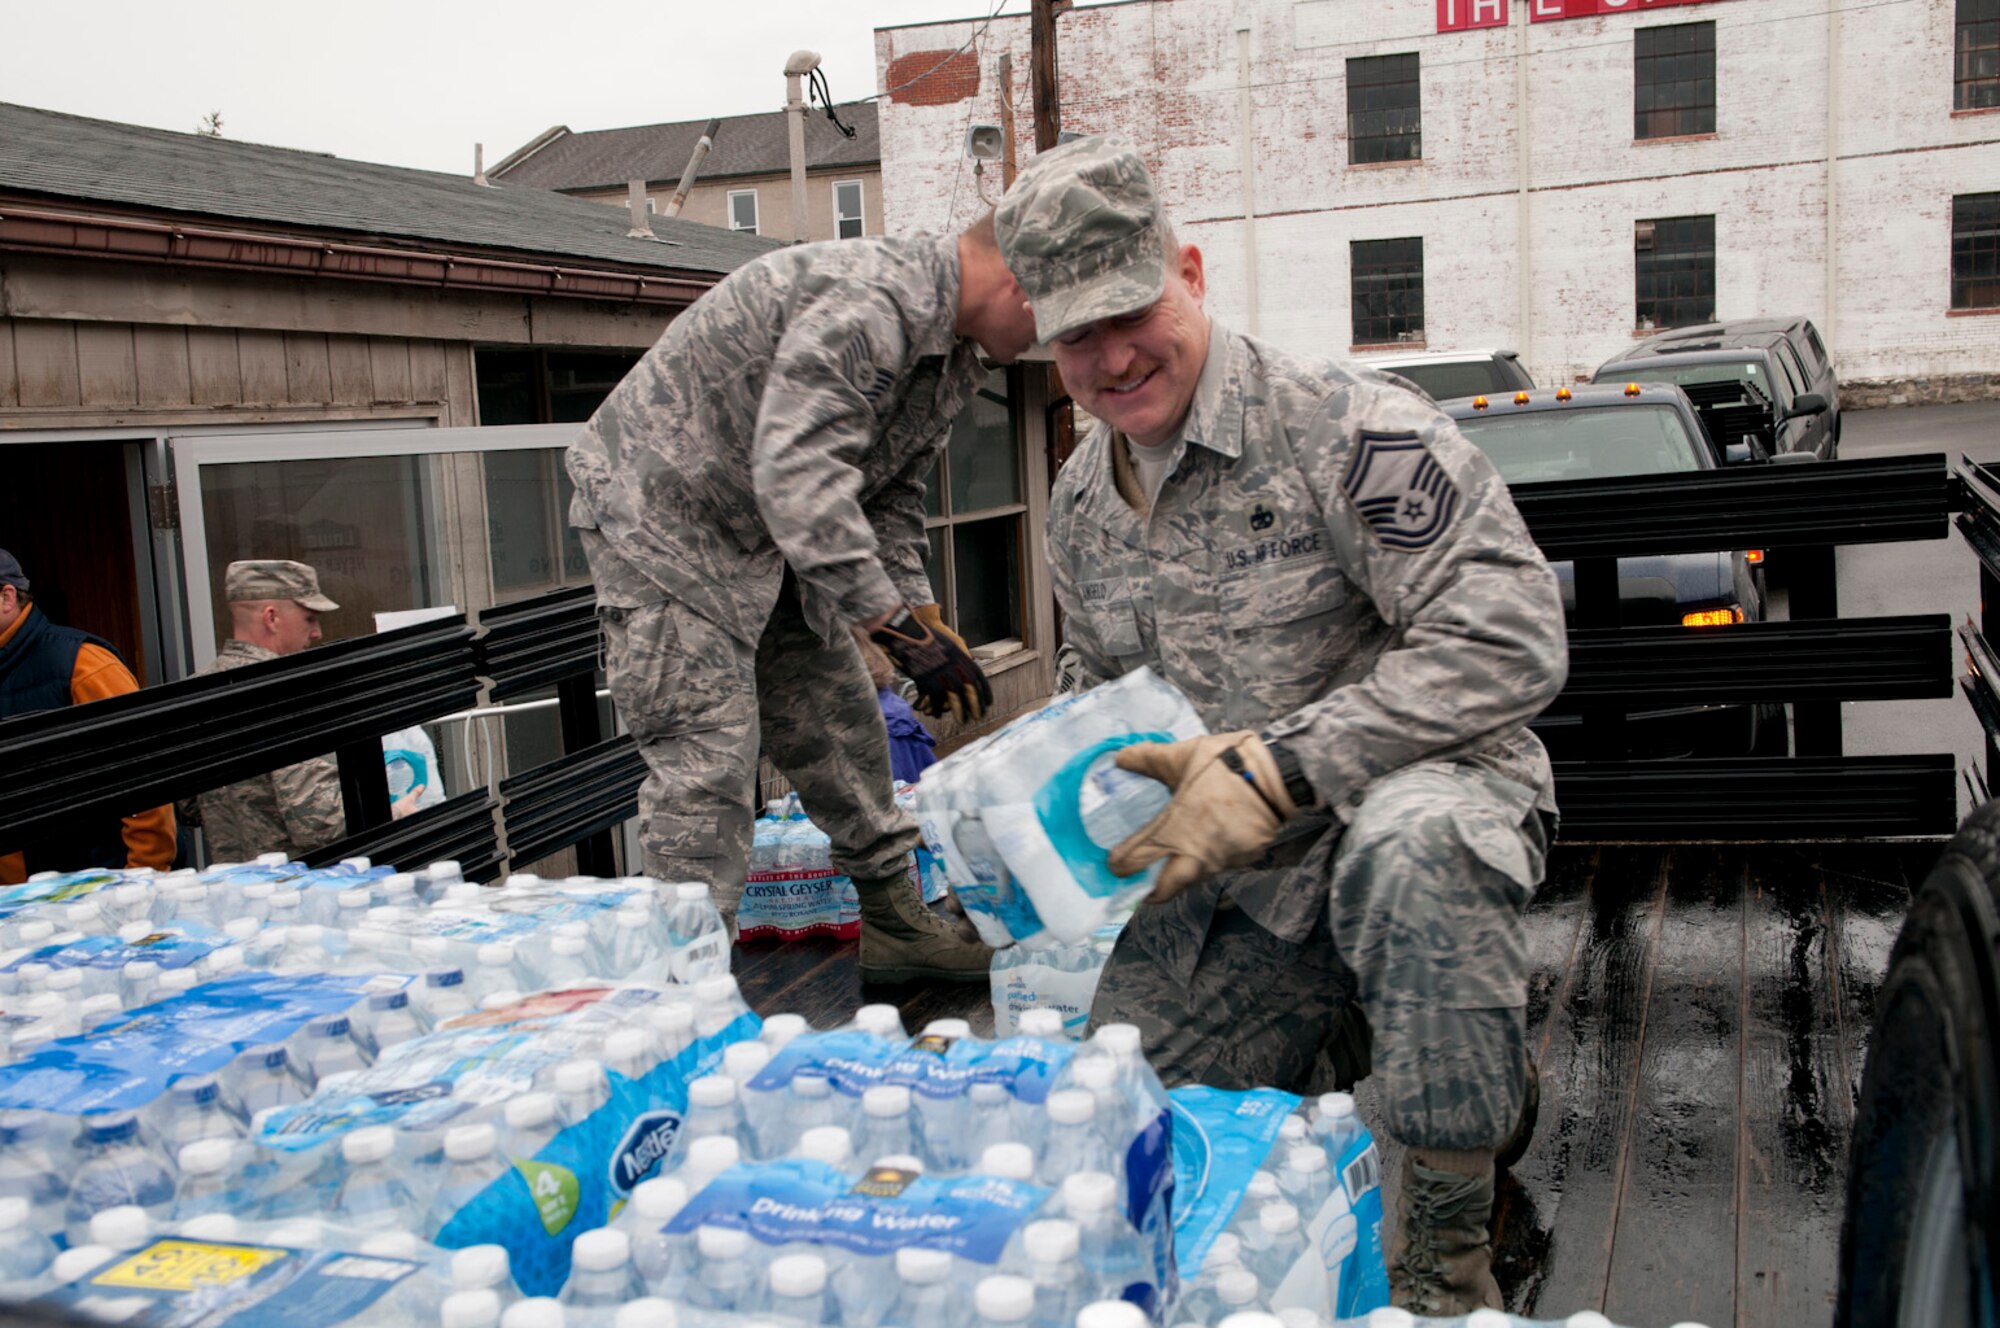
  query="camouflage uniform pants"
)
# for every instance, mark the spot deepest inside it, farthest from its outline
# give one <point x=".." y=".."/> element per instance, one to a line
<point x="702" y="704"/>
<point x="1422" y="929"/>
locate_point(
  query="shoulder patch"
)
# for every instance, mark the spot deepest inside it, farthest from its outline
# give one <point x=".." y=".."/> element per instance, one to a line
<point x="870" y="379"/>
<point x="1400" y="489"/>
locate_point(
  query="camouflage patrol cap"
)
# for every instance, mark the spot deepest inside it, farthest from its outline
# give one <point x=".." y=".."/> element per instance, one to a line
<point x="275" y="578"/>
<point x="1083" y="233"/>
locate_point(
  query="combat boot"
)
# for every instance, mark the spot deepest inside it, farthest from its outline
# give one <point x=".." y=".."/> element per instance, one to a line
<point x="1441" y="1256"/>
<point x="902" y="940"/>
<point x="1515" y="1146"/>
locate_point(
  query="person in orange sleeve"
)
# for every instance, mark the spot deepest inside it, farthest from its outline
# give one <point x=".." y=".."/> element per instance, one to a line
<point x="42" y="667"/>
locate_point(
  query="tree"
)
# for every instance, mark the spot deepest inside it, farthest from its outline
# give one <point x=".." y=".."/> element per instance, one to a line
<point x="211" y="125"/>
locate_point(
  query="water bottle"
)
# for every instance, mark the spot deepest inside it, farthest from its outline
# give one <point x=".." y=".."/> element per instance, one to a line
<point x="1040" y="1023"/>
<point x="646" y="1312"/>
<point x="796" y="1289"/>
<point x="1261" y="1189"/>
<point x="638" y="949"/>
<point x="580" y="1088"/>
<point x="885" y="1127"/>
<point x="780" y="1029"/>
<point x="371" y="1195"/>
<point x="1279" y="1243"/>
<point x="350" y="907"/>
<point x="531" y="1123"/>
<point x="329" y="1048"/>
<point x="1109" y="1248"/>
<point x="926" y="1294"/>
<point x="717" y="1003"/>
<point x="724" y="1279"/>
<point x="1098" y="1076"/>
<point x="1061" y="1290"/>
<point x="485" y="1268"/>
<point x="175" y="981"/>
<point x="661" y="1260"/>
<point x="600" y="1271"/>
<point x="1198" y="1305"/>
<point x="137" y="981"/>
<point x="261" y="1078"/>
<point x="1003" y="1299"/>
<point x="25" y="1253"/>
<point x="78" y="1262"/>
<point x="830" y="1144"/>
<point x="125" y="1227"/>
<point x="1072" y="1141"/>
<point x="535" y="1312"/>
<point x="495" y="969"/>
<point x="884" y="1021"/>
<point x="35" y="1166"/>
<point x="391" y="1022"/>
<point x="444" y="995"/>
<point x="208" y="1181"/>
<point x="192" y="1109"/>
<point x="1009" y="1159"/>
<point x="470" y="1309"/>
<point x="713" y="1111"/>
<point x="472" y="1161"/>
<point x="742" y="1060"/>
<point x="707" y="1159"/>
<point x="567" y="962"/>
<point x="1306" y="1180"/>
<point x="118" y="1168"/>
<point x="697" y="940"/>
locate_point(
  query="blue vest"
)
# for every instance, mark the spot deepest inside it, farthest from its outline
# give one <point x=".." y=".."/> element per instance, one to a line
<point x="36" y="665"/>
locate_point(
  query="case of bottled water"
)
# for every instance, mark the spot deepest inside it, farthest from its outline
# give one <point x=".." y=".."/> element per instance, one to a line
<point x="1047" y="974"/>
<point x="794" y="890"/>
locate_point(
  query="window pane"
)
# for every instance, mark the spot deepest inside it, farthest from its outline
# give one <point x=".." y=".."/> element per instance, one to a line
<point x="934" y="490"/>
<point x="1976" y="69"/>
<point x="847" y="209"/>
<point x="579" y="382"/>
<point x="743" y="211"/>
<point x="1675" y="271"/>
<point x="984" y="456"/>
<point x="506" y="386"/>
<point x="1387" y="291"/>
<point x="987" y="563"/>
<point x="934" y="568"/>
<point x="1384" y="109"/>
<point x="1673" y="80"/>
<point x="519" y="533"/>
<point x="1975" y="251"/>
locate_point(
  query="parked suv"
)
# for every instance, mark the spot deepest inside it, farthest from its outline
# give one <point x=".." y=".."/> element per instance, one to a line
<point x="1447" y="374"/>
<point x="1764" y="386"/>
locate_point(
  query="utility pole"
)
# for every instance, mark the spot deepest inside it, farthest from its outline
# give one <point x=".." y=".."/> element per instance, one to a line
<point x="796" y="68"/>
<point x="1042" y="56"/>
<point x="1006" y="72"/>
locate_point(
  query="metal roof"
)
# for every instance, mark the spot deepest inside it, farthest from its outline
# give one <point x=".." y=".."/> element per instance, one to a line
<point x="744" y="145"/>
<point x="73" y="158"/>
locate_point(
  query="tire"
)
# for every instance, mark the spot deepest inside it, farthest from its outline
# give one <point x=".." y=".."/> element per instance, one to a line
<point x="1919" y="1239"/>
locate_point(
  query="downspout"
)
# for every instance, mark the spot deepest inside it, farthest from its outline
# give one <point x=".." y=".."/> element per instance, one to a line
<point x="1249" y="142"/>
<point x="1831" y="327"/>
<point x="1524" y="242"/>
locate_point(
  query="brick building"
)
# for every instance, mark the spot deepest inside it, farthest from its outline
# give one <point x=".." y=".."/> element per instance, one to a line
<point x="1554" y="176"/>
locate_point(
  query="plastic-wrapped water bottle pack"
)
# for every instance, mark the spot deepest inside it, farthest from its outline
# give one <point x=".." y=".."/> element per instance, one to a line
<point x="793" y="889"/>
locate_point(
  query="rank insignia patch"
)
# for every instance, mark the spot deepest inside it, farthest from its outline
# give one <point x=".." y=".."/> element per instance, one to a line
<point x="1400" y="489"/>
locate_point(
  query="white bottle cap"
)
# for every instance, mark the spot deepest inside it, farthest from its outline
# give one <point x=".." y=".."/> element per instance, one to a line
<point x="601" y="1250"/>
<point x="900" y="1162"/>
<point x="811" y="1083"/>
<point x="568" y="945"/>
<point x="464" y="1143"/>
<point x="271" y="859"/>
<point x="479" y="1267"/>
<point x="712" y="1090"/>
<point x="1004" y="1299"/>
<point x="625" y="1044"/>
<point x="496" y="955"/>
<point x="1298" y="1316"/>
<point x="1251" y="1319"/>
<point x="258" y="890"/>
<point x="670" y="1017"/>
<point x="951" y="1028"/>
<point x="531" y="1110"/>
<point x="1052" y="1240"/>
<point x="1014" y="1161"/>
<point x="134" y="932"/>
<point x="125" y="1227"/>
<point x="139" y="970"/>
<point x="798" y="1275"/>
<point x="177" y="979"/>
<point x="301" y="1233"/>
<point x="658" y="1199"/>
<point x="882" y="1020"/>
<point x="535" y="1312"/>
<point x="716" y="987"/>
<point x="74" y="1262"/>
<point x="354" y="898"/>
<point x="1111" y="1314"/>
<point x="64" y="981"/>
<point x="886" y="1101"/>
<point x="711" y="1155"/>
<point x="393" y="1245"/>
<point x="429" y="951"/>
<point x="1591" y="1319"/>
<point x="461" y="892"/>
<point x="921" y="1266"/>
<point x="444" y="869"/>
<point x="1095" y="1073"/>
<point x="1292" y="1130"/>
<point x="226" y="960"/>
<point x="690" y="891"/>
<point x="742" y="1060"/>
<point x="398" y="883"/>
<point x="242" y="929"/>
<point x="780" y="1029"/>
<point x="1121" y="1040"/>
<point x="1089" y="1192"/>
<point x="574" y="1077"/>
<point x="1225" y="1250"/>
<point x="205" y="1157"/>
<point x="499" y="999"/>
<point x="827" y="1143"/>
<point x="1336" y="1105"/>
<point x="371" y="1143"/>
<point x="284" y="899"/>
<point x="1072" y="1106"/>
<point x="1040" y="1023"/>
<point x="305" y="933"/>
<point x="1263" y="1187"/>
<point x="212" y="1226"/>
<point x="721" y="1242"/>
<point x="104" y="1004"/>
<point x="1389" y="1316"/>
<point x="1277" y="1217"/>
<point x="1309" y="1158"/>
<point x="645" y="1312"/>
<point x="1236" y="1286"/>
<point x="1492" y="1319"/>
<point x="988" y="1095"/>
<point x="478" y="1308"/>
<point x="14" y="1212"/>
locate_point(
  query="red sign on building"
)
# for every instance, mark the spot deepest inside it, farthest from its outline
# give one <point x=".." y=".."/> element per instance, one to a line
<point x="1548" y="11"/>
<point x="1460" y="15"/>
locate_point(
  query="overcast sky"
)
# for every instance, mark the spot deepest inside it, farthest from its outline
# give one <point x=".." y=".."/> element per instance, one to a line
<point x="417" y="83"/>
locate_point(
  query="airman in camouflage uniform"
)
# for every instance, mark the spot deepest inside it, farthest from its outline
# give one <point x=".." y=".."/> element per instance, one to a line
<point x="751" y="492"/>
<point x="1342" y="586"/>
<point x="274" y="609"/>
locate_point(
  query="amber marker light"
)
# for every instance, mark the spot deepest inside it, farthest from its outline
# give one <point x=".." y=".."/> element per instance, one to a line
<point x="1520" y="398"/>
<point x="1753" y="556"/>
<point x="1631" y="389"/>
<point x="1563" y="394"/>
<point x="1479" y="403"/>
<point x="1713" y="617"/>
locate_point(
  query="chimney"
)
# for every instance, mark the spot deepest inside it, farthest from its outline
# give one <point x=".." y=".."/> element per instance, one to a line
<point x="635" y="193"/>
<point x="479" y="164"/>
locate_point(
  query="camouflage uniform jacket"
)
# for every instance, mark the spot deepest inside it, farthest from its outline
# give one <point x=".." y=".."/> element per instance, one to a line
<point x="789" y="416"/>
<point x="291" y="811"/>
<point x="1330" y="562"/>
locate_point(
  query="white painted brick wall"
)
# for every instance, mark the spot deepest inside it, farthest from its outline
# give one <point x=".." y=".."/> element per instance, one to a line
<point x="1164" y="73"/>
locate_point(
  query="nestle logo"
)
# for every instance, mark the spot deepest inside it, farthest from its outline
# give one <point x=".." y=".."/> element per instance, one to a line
<point x="646" y="1143"/>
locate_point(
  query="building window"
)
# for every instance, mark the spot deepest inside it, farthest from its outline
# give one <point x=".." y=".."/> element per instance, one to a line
<point x="1673" y="74"/>
<point x="1975" y="251"/>
<point x="1385" y="119"/>
<point x="1976" y="72"/>
<point x="847" y="221"/>
<point x="978" y="524"/>
<point x="1675" y="267"/>
<point x="743" y="210"/>
<point x="1388" y="283"/>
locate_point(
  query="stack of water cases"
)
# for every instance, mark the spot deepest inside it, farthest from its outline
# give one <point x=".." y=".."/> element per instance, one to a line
<point x="793" y="890"/>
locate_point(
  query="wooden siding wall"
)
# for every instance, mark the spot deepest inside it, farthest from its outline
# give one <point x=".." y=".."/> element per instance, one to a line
<point x="61" y="374"/>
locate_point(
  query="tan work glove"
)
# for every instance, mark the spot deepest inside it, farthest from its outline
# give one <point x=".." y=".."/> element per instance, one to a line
<point x="1229" y="800"/>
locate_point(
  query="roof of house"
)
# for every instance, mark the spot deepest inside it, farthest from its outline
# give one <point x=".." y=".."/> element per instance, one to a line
<point x="744" y="145"/>
<point x="70" y="157"/>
